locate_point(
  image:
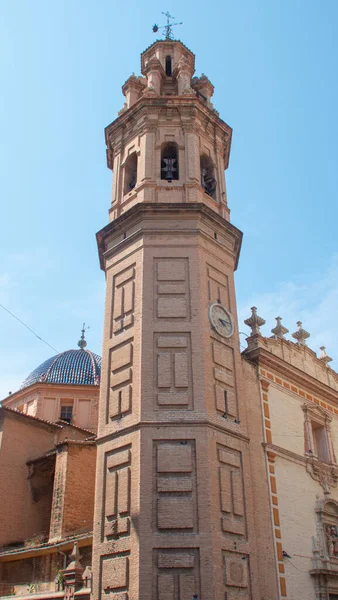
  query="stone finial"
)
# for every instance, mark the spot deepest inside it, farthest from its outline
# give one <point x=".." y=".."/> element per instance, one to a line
<point x="255" y="322"/>
<point x="279" y="330"/>
<point x="72" y="575"/>
<point x="323" y="356"/>
<point x="75" y="557"/>
<point x="300" y="335"/>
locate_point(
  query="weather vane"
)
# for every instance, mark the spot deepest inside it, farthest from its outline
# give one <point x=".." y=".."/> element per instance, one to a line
<point x="168" y="28"/>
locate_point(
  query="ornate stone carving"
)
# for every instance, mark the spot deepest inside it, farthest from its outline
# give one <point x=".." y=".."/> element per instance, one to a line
<point x="325" y="546"/>
<point x="279" y="330"/>
<point x="327" y="475"/>
<point x="332" y="540"/>
<point x="323" y="356"/>
<point x="301" y="334"/>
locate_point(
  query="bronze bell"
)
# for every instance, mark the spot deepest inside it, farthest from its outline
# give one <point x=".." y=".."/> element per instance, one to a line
<point x="169" y="168"/>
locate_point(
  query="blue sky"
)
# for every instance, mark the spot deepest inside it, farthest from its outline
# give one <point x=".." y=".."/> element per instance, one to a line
<point x="63" y="62"/>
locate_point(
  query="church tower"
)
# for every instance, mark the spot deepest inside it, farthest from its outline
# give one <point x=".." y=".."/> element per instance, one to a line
<point x="174" y="504"/>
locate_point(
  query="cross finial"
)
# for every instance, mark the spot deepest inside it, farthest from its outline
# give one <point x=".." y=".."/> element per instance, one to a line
<point x="82" y="342"/>
<point x="168" y="28"/>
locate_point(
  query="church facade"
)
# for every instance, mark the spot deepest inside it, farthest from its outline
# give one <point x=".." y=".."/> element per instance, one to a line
<point x="216" y="473"/>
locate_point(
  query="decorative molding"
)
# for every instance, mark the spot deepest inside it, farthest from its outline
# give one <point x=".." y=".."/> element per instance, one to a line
<point x="143" y="111"/>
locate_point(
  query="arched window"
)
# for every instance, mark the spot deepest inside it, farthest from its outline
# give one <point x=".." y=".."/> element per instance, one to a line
<point x="168" y="69"/>
<point x="208" y="180"/>
<point x="130" y="173"/>
<point x="169" y="161"/>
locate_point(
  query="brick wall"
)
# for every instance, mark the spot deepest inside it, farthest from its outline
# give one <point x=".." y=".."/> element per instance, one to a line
<point x="80" y="487"/>
<point x="21" y="517"/>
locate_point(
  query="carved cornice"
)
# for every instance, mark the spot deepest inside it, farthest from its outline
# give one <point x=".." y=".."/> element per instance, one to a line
<point x="272" y="449"/>
<point x="178" y="425"/>
<point x="316" y="412"/>
<point x="181" y="211"/>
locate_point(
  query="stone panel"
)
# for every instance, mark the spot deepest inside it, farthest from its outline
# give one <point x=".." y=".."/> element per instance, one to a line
<point x="174" y="458"/>
<point x="236" y="576"/>
<point x="218" y="286"/>
<point x="117" y="490"/>
<point x="171" y="284"/>
<point x="175" y="499"/>
<point x="120" y="380"/>
<point x="176" y="574"/>
<point x="231" y="491"/>
<point x="225" y="379"/>
<point x="114" y="576"/>
<point x="175" y="513"/>
<point x="173" y="371"/>
<point x="123" y="300"/>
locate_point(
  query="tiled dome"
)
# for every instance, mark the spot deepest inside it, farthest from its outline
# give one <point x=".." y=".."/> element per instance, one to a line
<point x="78" y="367"/>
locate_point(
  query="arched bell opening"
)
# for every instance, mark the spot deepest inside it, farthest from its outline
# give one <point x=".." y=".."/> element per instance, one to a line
<point x="169" y="162"/>
<point x="130" y="173"/>
<point x="168" y="66"/>
<point x="208" y="181"/>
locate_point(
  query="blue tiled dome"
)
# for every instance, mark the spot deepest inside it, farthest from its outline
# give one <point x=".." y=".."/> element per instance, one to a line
<point x="79" y="367"/>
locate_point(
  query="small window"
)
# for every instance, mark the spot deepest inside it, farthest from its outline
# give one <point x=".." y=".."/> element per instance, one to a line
<point x="130" y="173"/>
<point x="208" y="180"/>
<point x="319" y="436"/>
<point x="168" y="70"/>
<point x="169" y="161"/>
<point x="66" y="413"/>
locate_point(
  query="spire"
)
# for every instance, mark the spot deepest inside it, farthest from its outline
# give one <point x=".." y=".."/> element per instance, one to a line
<point x="323" y="356"/>
<point x="300" y="335"/>
<point x="255" y="322"/>
<point x="82" y="342"/>
<point x="279" y="330"/>
<point x="72" y="575"/>
<point x="168" y="28"/>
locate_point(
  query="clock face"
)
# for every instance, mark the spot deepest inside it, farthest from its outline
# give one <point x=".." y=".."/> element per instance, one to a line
<point x="221" y="319"/>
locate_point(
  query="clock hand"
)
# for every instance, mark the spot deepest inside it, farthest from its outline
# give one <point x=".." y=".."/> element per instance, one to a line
<point x="224" y="322"/>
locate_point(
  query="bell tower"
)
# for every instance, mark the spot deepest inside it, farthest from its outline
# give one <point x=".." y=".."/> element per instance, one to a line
<point x="174" y="507"/>
<point x="168" y="144"/>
